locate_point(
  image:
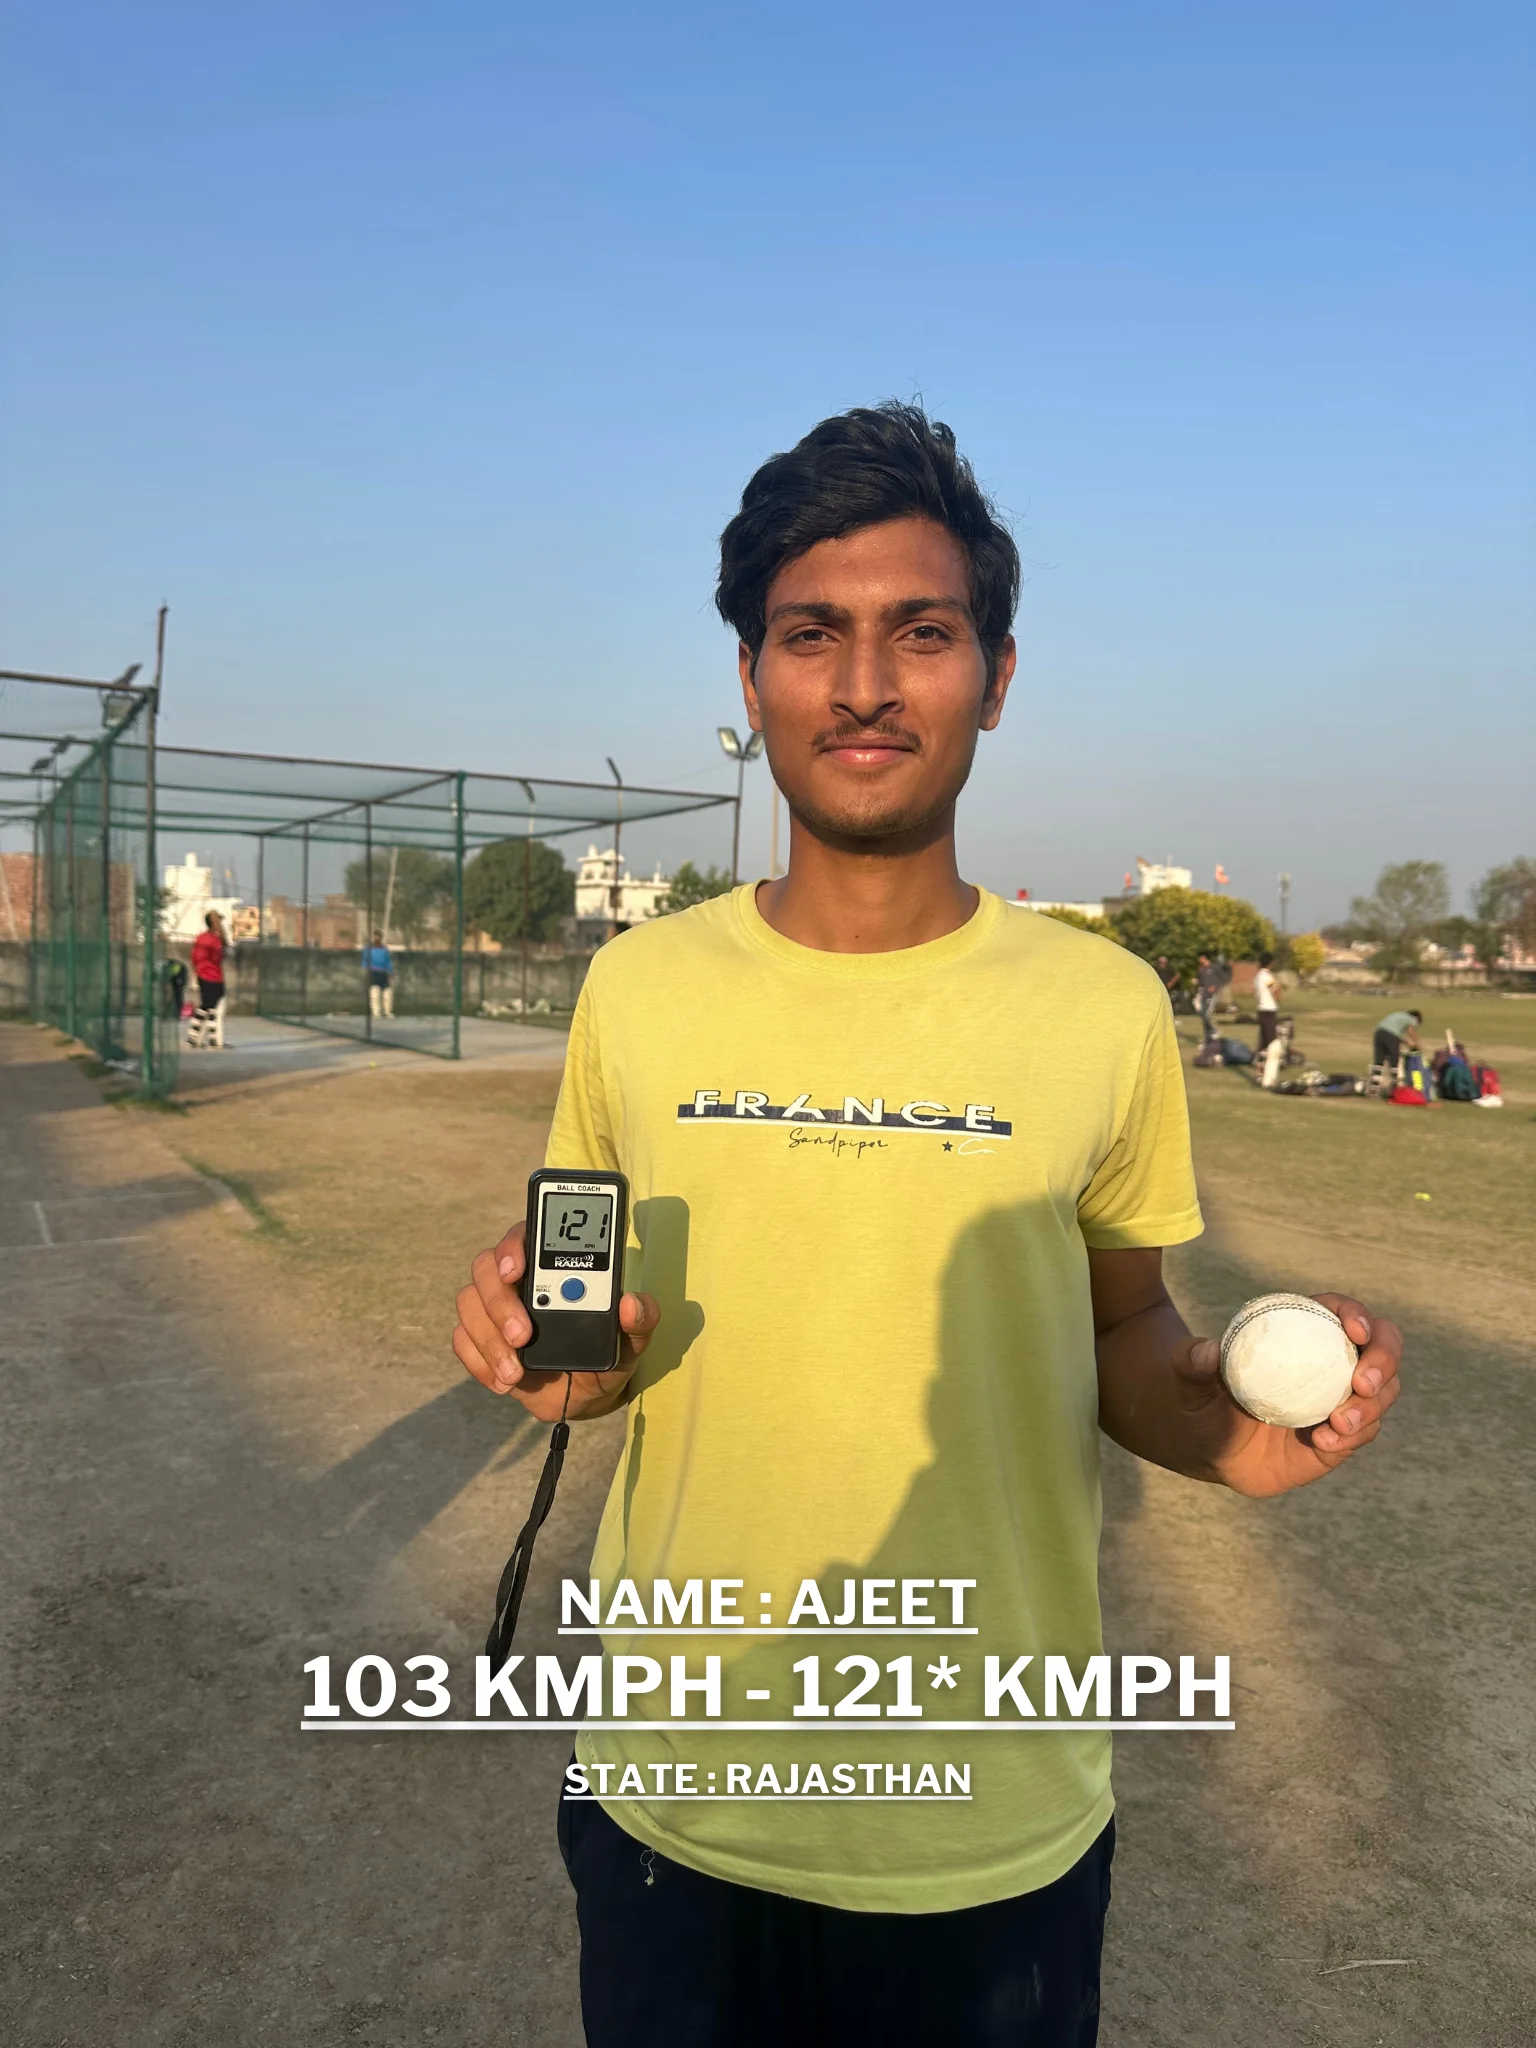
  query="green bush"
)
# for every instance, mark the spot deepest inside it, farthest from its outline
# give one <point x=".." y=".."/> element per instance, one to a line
<point x="690" y="887"/>
<point x="1184" y="923"/>
<point x="1082" y="922"/>
<point x="494" y="890"/>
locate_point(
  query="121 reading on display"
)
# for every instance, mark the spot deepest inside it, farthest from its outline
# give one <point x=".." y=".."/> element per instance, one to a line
<point x="576" y="1231"/>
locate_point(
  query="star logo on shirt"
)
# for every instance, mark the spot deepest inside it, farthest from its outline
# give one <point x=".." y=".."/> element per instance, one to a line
<point x="943" y="1673"/>
<point x="948" y="1147"/>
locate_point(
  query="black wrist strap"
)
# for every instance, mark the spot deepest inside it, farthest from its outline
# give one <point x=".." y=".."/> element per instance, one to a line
<point x="509" y="1594"/>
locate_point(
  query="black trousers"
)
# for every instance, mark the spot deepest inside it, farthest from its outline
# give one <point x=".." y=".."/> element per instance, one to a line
<point x="671" y="1958"/>
<point x="1385" y="1048"/>
<point x="209" y="993"/>
<point x="1269" y="1024"/>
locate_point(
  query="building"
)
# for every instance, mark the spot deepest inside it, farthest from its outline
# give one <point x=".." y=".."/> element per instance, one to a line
<point x="16" y="884"/>
<point x="188" y="899"/>
<point x="597" y="877"/>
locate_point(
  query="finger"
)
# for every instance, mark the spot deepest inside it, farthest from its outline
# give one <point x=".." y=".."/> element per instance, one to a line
<point x="469" y="1356"/>
<point x="1357" y="1413"/>
<point x="501" y="1359"/>
<point x="509" y="1253"/>
<point x="503" y="1304"/>
<point x="1381" y="1359"/>
<point x="1356" y="1318"/>
<point x="639" y="1315"/>
<point x="1355" y="1422"/>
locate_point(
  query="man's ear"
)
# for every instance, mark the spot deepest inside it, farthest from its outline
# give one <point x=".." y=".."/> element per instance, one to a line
<point x="744" y="666"/>
<point x="997" y="689"/>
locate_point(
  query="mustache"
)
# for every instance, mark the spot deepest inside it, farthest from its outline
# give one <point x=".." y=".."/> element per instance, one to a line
<point x="850" y="733"/>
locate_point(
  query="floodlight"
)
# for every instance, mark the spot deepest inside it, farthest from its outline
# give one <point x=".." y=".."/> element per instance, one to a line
<point x="753" y="747"/>
<point x="729" y="741"/>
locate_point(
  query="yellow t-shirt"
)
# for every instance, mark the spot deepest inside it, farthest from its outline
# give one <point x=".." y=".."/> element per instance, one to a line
<point x="862" y="1186"/>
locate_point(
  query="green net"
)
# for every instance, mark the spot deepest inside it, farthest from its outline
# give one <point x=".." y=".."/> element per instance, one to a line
<point x="358" y="924"/>
<point x="92" y="912"/>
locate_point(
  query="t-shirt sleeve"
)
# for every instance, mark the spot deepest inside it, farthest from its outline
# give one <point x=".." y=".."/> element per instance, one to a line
<point x="1143" y="1192"/>
<point x="582" y="1132"/>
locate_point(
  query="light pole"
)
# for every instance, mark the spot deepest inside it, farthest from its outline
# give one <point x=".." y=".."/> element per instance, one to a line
<point x="741" y="753"/>
<point x="618" y="843"/>
<point x="1285" y="901"/>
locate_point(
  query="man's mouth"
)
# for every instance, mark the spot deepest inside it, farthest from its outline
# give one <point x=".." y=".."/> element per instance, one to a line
<point x="867" y="749"/>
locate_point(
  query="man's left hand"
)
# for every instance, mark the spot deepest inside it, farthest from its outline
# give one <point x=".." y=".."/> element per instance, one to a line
<point x="1262" y="1457"/>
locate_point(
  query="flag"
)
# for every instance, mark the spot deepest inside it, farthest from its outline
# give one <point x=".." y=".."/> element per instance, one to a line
<point x="1127" y="880"/>
<point x="1222" y="877"/>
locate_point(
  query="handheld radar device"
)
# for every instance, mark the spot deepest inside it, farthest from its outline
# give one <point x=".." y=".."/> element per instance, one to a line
<point x="574" y="1271"/>
<point x="573" y="1280"/>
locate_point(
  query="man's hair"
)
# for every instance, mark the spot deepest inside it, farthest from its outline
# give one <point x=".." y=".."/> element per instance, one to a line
<point x="211" y="920"/>
<point x="1417" y="1016"/>
<point x="1266" y="959"/>
<point x="858" y="469"/>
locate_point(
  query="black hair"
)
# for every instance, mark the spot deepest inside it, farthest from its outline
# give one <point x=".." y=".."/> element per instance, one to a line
<point x="1417" y="1016"/>
<point x="1266" y="959"/>
<point x="858" y="469"/>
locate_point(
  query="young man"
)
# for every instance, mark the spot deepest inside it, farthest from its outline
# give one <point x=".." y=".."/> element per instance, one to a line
<point x="1208" y="986"/>
<point x="208" y="949"/>
<point x="379" y="966"/>
<point x="1266" y="995"/>
<point x="902" y="1165"/>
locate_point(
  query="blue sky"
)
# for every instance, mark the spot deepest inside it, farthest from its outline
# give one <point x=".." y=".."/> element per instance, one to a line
<point x="416" y="357"/>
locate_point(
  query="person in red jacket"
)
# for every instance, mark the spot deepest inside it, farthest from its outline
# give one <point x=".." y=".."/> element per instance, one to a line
<point x="208" y="966"/>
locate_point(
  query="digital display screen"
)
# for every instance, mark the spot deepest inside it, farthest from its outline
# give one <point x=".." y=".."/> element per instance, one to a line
<point x="576" y="1230"/>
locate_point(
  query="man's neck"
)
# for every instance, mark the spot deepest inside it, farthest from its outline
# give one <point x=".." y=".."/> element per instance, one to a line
<point x="879" y="899"/>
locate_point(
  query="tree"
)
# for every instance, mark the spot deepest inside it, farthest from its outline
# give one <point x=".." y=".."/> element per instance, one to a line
<point x="1410" y="899"/>
<point x="690" y="887"/>
<point x="1082" y="922"/>
<point x="1184" y="923"/>
<point x="1308" y="952"/>
<point x="1504" y="902"/>
<point x="494" y="896"/>
<point x="420" y="898"/>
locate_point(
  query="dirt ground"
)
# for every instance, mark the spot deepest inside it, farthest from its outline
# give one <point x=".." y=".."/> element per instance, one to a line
<point x="237" y="1437"/>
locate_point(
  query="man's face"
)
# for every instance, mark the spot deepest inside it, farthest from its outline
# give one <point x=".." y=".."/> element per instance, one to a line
<point x="871" y="685"/>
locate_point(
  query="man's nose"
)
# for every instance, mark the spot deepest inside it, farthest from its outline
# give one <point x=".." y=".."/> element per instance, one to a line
<point x="868" y="684"/>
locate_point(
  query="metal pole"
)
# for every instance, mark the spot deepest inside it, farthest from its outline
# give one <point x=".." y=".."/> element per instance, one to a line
<point x="108" y="1040"/>
<point x="741" y="776"/>
<point x="32" y="934"/>
<point x="148" y="1062"/>
<point x="261" y="922"/>
<point x="618" y="848"/>
<point x="458" y="907"/>
<point x="527" y="885"/>
<point x="368" y="920"/>
<point x="71" y="1017"/>
<point x="304" y="931"/>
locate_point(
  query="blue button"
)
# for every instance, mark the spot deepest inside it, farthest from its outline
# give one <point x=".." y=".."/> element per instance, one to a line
<point x="573" y="1289"/>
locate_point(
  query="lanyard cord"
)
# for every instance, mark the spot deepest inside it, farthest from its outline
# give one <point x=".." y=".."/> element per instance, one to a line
<point x="509" y="1594"/>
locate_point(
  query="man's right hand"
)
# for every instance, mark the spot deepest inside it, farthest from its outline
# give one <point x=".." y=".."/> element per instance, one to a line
<point x="493" y="1327"/>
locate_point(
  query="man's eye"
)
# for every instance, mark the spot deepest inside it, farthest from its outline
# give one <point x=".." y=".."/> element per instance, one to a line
<point x="929" y="633"/>
<point x="806" y="636"/>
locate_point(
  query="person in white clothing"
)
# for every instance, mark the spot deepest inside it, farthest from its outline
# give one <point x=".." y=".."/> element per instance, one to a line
<point x="1266" y="994"/>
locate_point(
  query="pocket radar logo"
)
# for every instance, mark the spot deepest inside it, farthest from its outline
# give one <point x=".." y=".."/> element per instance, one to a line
<point x="752" y="1106"/>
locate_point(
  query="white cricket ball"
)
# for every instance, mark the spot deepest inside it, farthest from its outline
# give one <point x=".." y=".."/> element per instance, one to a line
<point x="1286" y="1359"/>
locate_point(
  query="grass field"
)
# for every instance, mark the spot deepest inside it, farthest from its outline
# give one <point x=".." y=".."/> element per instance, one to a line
<point x="1361" y="1170"/>
<point x="291" y="1458"/>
